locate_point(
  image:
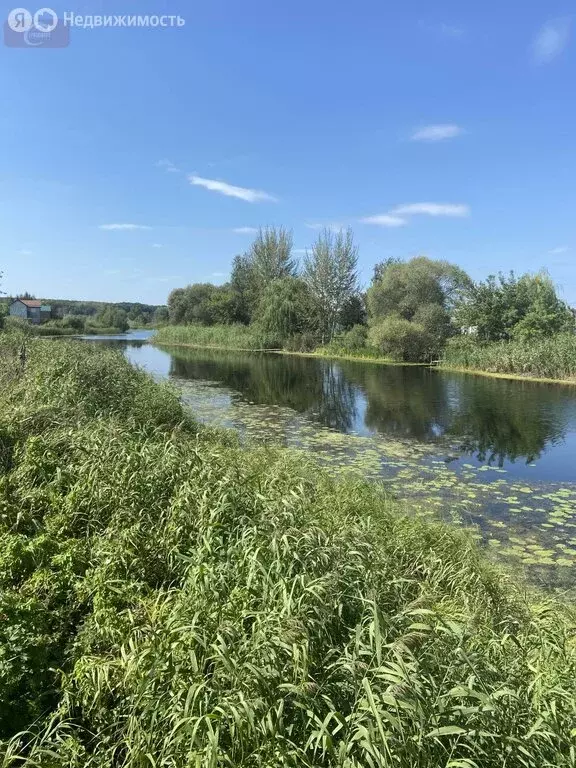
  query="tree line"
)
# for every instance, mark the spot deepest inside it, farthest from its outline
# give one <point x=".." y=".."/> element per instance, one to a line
<point x="409" y="312"/>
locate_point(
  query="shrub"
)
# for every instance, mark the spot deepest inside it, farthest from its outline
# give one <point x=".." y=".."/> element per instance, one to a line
<point x="355" y="338"/>
<point x="401" y="340"/>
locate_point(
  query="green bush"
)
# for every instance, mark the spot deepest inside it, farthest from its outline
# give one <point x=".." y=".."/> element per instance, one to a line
<point x="401" y="340"/>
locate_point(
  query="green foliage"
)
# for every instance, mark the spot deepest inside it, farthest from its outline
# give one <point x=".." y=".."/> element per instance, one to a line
<point x="400" y="339"/>
<point x="224" y="336"/>
<point x="355" y="338"/>
<point x="552" y="358"/>
<point x="506" y="307"/>
<point x="285" y="308"/>
<point x="111" y="317"/>
<point x="420" y="291"/>
<point x="171" y="600"/>
<point x="404" y="287"/>
<point x="203" y="304"/>
<point x="331" y="272"/>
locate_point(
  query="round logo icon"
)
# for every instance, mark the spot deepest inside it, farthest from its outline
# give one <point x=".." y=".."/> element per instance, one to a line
<point x="45" y="20"/>
<point x="19" y="20"/>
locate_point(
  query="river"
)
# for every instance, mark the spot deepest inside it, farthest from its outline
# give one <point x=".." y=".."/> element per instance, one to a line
<point x="496" y="455"/>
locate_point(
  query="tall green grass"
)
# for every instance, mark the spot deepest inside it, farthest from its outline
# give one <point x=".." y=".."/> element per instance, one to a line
<point x="169" y="598"/>
<point x="553" y="358"/>
<point x="225" y="336"/>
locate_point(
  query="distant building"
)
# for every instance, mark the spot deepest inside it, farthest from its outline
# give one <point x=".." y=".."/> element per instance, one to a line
<point x="31" y="309"/>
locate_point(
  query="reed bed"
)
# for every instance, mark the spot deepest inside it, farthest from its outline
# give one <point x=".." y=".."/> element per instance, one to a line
<point x="169" y="598"/>
<point x="552" y="358"/>
<point x="225" y="336"/>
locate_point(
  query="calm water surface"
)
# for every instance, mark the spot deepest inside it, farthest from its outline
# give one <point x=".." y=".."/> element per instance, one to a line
<point x="498" y="455"/>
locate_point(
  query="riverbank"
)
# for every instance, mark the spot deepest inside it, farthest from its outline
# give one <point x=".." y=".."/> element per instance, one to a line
<point x="258" y="610"/>
<point x="507" y="376"/>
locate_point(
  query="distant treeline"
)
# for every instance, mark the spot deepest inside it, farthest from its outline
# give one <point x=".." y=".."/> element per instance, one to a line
<point x="92" y="316"/>
<point x="411" y="311"/>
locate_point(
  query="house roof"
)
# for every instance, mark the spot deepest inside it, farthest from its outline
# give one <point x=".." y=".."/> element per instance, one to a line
<point x="30" y="302"/>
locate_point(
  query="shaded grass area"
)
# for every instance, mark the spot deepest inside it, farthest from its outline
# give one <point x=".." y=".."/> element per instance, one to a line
<point x="169" y="598"/>
<point x="552" y="358"/>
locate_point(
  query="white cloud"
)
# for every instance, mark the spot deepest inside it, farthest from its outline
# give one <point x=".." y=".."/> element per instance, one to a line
<point x="301" y="251"/>
<point x="24" y="252"/>
<point x="157" y="245"/>
<point x="111" y="271"/>
<point x="222" y="187"/>
<point x="559" y="250"/>
<point x="439" y="132"/>
<point x="124" y="227"/>
<point x="551" y="40"/>
<point x="219" y="274"/>
<point x="333" y="226"/>
<point x="384" y="220"/>
<point x="458" y="210"/>
<point x="397" y="217"/>
<point x="245" y="230"/>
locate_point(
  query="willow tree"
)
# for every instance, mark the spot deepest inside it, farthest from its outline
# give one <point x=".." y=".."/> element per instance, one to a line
<point x="331" y="272"/>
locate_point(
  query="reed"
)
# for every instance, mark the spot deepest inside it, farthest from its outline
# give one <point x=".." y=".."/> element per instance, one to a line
<point x="552" y="358"/>
<point x="169" y="598"/>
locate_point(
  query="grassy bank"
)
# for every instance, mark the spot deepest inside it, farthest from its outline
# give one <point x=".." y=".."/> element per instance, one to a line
<point x="552" y="359"/>
<point x="240" y="337"/>
<point x="170" y="598"/>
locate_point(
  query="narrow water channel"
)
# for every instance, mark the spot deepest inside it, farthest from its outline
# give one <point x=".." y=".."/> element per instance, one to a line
<point x="496" y="455"/>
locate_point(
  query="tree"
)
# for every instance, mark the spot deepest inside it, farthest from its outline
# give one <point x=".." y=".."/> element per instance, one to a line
<point x="285" y="308"/>
<point x="161" y="315"/>
<point x="330" y="271"/>
<point x="244" y="283"/>
<point x="505" y="307"/>
<point x="112" y="317"/>
<point x="270" y="255"/>
<point x="403" y="287"/>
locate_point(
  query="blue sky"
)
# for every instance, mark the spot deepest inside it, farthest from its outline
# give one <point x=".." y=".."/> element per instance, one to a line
<point x="138" y="160"/>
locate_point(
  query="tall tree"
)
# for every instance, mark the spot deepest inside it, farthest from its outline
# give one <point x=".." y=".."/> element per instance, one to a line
<point x="330" y="270"/>
<point x="271" y="255"/>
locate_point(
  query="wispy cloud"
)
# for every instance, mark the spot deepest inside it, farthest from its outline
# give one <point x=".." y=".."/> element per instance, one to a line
<point x="24" y="252"/>
<point x="219" y="274"/>
<point x="168" y="166"/>
<point x="398" y="216"/>
<point x="301" y="251"/>
<point x="557" y="251"/>
<point x="124" y="227"/>
<point x="111" y="271"/>
<point x="551" y="40"/>
<point x="230" y="190"/>
<point x="157" y="245"/>
<point x="457" y="210"/>
<point x="167" y="279"/>
<point x="333" y="226"/>
<point x="384" y="220"/>
<point x="441" y="132"/>
<point x="245" y="230"/>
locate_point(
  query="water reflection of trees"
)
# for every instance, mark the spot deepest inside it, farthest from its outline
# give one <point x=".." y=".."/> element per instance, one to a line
<point x="495" y="420"/>
<point x="308" y="386"/>
<point x="509" y="420"/>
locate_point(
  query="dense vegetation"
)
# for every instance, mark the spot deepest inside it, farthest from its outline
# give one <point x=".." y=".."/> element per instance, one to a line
<point x="170" y="598"/>
<point x="549" y="358"/>
<point x="71" y="317"/>
<point x="409" y="313"/>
